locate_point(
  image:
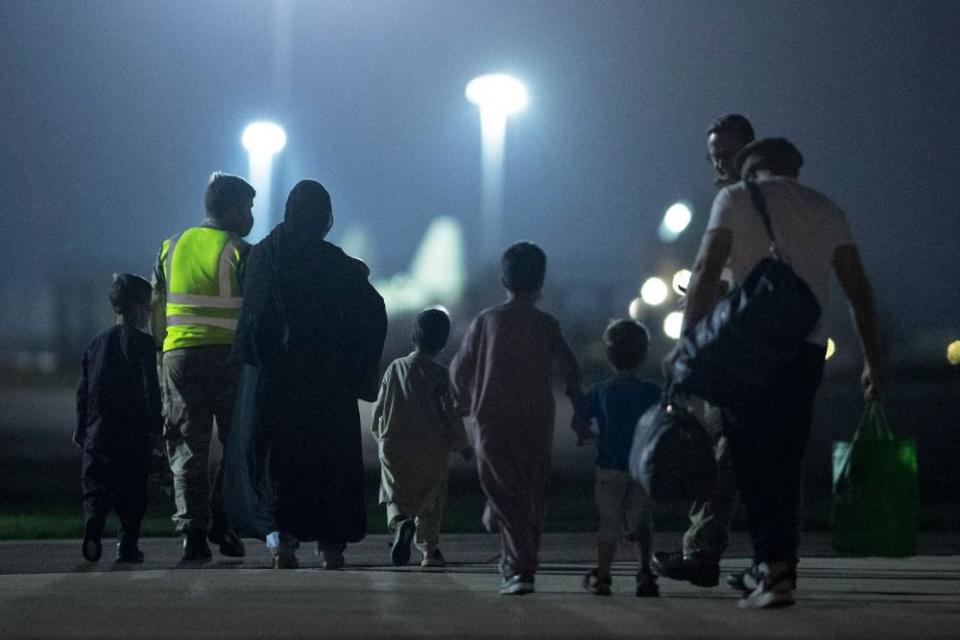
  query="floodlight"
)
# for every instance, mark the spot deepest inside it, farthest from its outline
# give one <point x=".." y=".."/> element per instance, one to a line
<point x="654" y="291"/>
<point x="497" y="92"/>
<point x="636" y="309"/>
<point x="264" y="138"/>
<point x="675" y="221"/>
<point x="673" y="324"/>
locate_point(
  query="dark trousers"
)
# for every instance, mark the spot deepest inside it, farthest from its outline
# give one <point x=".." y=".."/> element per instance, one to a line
<point x="121" y="488"/>
<point x="768" y="454"/>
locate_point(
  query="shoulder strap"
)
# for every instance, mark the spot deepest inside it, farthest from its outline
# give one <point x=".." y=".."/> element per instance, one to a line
<point x="760" y="204"/>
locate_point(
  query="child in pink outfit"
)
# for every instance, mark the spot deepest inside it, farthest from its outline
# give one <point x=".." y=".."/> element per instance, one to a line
<point x="502" y="376"/>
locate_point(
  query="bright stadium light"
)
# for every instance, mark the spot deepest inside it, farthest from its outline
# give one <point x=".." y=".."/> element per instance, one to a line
<point x="681" y="280"/>
<point x="831" y="349"/>
<point x="673" y="324"/>
<point x="262" y="140"/>
<point x="636" y="309"/>
<point x="675" y="221"/>
<point x="498" y="95"/>
<point x="654" y="291"/>
<point x="497" y="92"/>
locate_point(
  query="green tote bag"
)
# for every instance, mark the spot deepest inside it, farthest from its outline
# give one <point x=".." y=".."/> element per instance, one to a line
<point x="875" y="490"/>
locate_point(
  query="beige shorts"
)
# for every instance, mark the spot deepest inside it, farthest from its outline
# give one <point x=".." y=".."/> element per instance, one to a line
<point x="622" y="504"/>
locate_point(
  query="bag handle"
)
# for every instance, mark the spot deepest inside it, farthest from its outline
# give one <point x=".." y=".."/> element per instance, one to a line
<point x="873" y="424"/>
<point x="760" y="204"/>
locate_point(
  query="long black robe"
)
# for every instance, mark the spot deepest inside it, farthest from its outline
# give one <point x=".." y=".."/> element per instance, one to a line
<point x="118" y="407"/>
<point x="310" y="338"/>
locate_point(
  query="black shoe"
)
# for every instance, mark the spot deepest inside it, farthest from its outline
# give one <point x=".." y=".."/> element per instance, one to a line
<point x="697" y="570"/>
<point x="228" y="542"/>
<point x="91" y="549"/>
<point x="400" y="553"/>
<point x="596" y="585"/>
<point x="195" y="547"/>
<point x="647" y="585"/>
<point x="129" y="554"/>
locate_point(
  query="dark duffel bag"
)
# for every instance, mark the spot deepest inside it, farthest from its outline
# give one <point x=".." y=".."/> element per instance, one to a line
<point x="672" y="454"/>
<point x="735" y="357"/>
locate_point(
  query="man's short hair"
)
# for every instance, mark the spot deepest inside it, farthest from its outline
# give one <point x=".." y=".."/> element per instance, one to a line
<point x="431" y="330"/>
<point x="776" y="155"/>
<point x="524" y="267"/>
<point x="226" y="192"/>
<point x="128" y="291"/>
<point x="626" y="343"/>
<point x="733" y="123"/>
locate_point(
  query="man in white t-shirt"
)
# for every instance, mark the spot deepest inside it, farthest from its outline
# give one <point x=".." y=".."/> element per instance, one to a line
<point x="813" y="237"/>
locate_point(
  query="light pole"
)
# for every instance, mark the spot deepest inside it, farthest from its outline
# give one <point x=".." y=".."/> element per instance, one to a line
<point x="498" y="96"/>
<point x="262" y="140"/>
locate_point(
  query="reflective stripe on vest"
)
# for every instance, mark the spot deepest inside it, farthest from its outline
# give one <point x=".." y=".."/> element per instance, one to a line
<point x="199" y="309"/>
<point x="223" y="323"/>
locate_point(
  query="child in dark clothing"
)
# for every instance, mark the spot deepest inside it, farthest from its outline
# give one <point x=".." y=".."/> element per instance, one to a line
<point x="118" y="408"/>
<point x="617" y="404"/>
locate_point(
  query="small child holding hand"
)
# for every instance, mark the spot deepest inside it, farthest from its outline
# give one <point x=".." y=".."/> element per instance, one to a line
<point x="616" y="405"/>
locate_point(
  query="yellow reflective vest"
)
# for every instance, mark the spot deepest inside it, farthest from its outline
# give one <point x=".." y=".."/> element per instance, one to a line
<point x="203" y="296"/>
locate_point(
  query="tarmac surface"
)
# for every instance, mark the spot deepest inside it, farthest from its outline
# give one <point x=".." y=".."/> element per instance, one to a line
<point x="48" y="591"/>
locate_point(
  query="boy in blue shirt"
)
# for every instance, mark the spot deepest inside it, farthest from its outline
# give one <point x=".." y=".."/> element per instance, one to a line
<point x="616" y="405"/>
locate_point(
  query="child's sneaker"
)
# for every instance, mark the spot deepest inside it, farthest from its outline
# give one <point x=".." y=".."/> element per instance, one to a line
<point x="647" y="585"/>
<point x="433" y="559"/>
<point x="774" y="588"/>
<point x="400" y="553"/>
<point x="596" y="585"/>
<point x="91" y="547"/>
<point x="284" y="559"/>
<point x="129" y="553"/>
<point x="516" y="586"/>
<point x="331" y="558"/>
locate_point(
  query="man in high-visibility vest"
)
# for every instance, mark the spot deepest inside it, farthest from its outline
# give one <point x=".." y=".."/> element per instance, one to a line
<point x="197" y="300"/>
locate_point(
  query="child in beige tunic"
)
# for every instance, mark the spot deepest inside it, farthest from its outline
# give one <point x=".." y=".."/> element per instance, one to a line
<point x="416" y="429"/>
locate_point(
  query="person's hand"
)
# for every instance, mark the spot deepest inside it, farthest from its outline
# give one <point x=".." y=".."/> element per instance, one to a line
<point x="872" y="383"/>
<point x="467" y="454"/>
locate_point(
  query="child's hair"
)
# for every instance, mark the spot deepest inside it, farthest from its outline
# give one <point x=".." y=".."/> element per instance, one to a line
<point x="524" y="268"/>
<point x="626" y="342"/>
<point x="431" y="330"/>
<point x="128" y="291"/>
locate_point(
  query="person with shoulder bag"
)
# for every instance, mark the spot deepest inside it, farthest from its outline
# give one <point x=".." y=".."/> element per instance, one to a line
<point x="780" y="239"/>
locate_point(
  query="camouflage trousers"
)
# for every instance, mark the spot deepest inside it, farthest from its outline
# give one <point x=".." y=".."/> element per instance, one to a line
<point x="709" y="531"/>
<point x="199" y="387"/>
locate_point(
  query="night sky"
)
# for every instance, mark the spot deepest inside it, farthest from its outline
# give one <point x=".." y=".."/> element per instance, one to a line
<point x="113" y="114"/>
